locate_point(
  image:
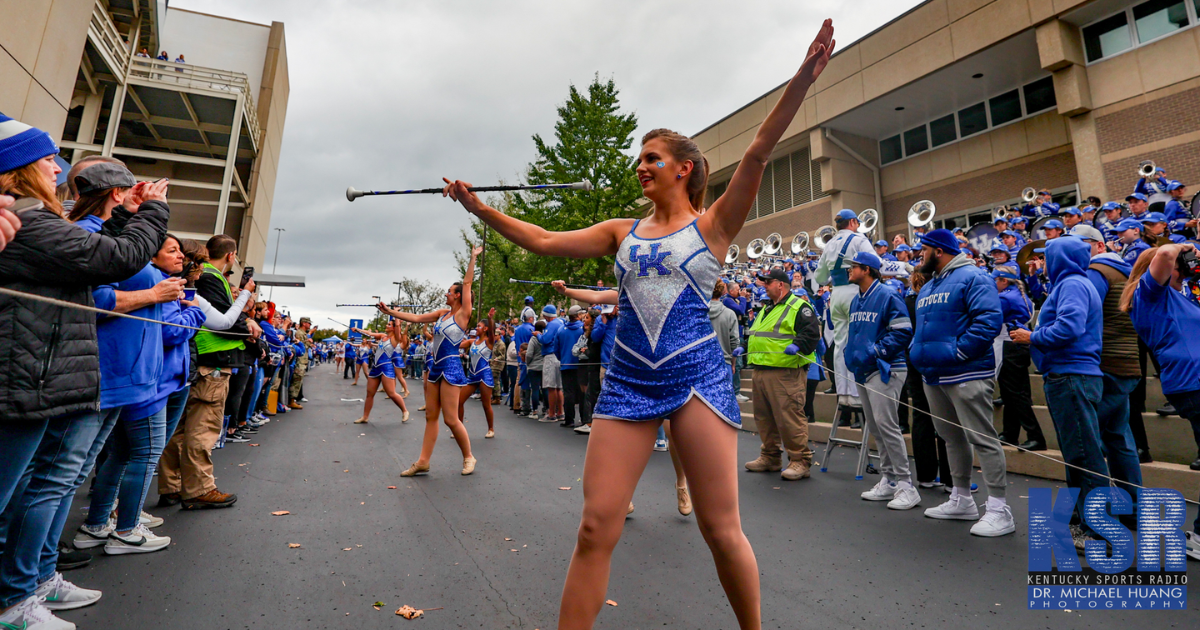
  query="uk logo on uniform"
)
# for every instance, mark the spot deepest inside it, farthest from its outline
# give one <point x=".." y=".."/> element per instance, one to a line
<point x="654" y="260"/>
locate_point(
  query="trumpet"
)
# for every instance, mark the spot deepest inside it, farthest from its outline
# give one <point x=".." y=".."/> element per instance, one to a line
<point x="867" y="220"/>
<point x="1147" y="169"/>
<point x="754" y="250"/>
<point x="921" y="213"/>
<point x="800" y="242"/>
<point x="824" y="235"/>
<point x="1029" y="194"/>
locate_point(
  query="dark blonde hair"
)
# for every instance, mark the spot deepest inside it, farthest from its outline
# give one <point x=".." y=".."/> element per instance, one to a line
<point x="29" y="181"/>
<point x="1131" y="285"/>
<point x="684" y="149"/>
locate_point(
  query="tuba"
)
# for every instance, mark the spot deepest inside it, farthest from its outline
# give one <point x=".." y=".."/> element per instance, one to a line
<point x="731" y="254"/>
<point x="867" y="221"/>
<point x="774" y="244"/>
<point x="1028" y="195"/>
<point x="800" y="242"/>
<point x="921" y="213"/>
<point x="1146" y="169"/>
<point x="824" y="235"/>
<point x="754" y="250"/>
<point x="1001" y="212"/>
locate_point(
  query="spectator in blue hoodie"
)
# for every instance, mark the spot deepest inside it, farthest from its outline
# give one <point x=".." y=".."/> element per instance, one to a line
<point x="131" y="363"/>
<point x="521" y="389"/>
<point x="958" y="319"/>
<point x="879" y="334"/>
<point x="551" y="364"/>
<point x="564" y="341"/>
<point x="1066" y="349"/>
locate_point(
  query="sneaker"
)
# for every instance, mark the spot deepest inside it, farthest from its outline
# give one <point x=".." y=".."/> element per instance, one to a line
<point x="1079" y="538"/>
<point x="236" y="436"/>
<point x="995" y="522"/>
<point x="546" y="419"/>
<point x="931" y="484"/>
<point x="246" y="429"/>
<point x="59" y="594"/>
<point x="1193" y="545"/>
<point x="303" y="400"/>
<point x="212" y="499"/>
<point x="88" y="536"/>
<point x="69" y="559"/>
<point x="532" y="415"/>
<point x="660" y="446"/>
<point x="150" y="520"/>
<point x="583" y="429"/>
<point x="956" y="509"/>
<point x="795" y="470"/>
<point x="30" y="614"/>
<point x="140" y="540"/>
<point x="906" y="498"/>
<point x="885" y="490"/>
<point x="742" y="398"/>
<point x="762" y="464"/>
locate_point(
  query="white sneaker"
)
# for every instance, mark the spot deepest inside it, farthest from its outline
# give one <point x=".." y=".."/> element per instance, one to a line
<point x="883" y="491"/>
<point x="956" y="509"/>
<point x="140" y="540"/>
<point x="661" y="446"/>
<point x="995" y="522"/>
<point x="88" y="536"/>
<point x="583" y="429"/>
<point x="150" y="520"/>
<point x="741" y="398"/>
<point x="548" y="418"/>
<point x="1193" y="545"/>
<point x="30" y="614"/>
<point x="59" y="594"/>
<point x="907" y="498"/>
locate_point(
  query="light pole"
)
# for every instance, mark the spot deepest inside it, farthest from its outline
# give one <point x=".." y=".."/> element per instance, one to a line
<point x="398" y="290"/>
<point x="275" y="263"/>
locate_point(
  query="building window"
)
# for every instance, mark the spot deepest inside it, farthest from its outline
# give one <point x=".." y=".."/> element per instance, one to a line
<point x="1005" y="108"/>
<point x="972" y="120"/>
<point x="942" y="130"/>
<point x="1039" y="95"/>
<point x="788" y="181"/>
<point x="889" y="150"/>
<point x="915" y="141"/>
<point x="1136" y="26"/>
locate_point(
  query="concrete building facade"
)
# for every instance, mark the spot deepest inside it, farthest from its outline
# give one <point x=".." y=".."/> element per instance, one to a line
<point x="967" y="102"/>
<point x="213" y="124"/>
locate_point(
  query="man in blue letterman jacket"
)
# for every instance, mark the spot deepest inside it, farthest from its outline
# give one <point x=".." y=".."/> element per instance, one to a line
<point x="958" y="319"/>
<point x="880" y="331"/>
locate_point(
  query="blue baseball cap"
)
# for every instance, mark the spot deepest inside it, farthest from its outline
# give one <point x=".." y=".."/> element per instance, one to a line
<point x="1053" y="224"/>
<point x="812" y="254"/>
<point x="1001" y="273"/>
<point x="1044" y="192"/>
<point x="1008" y="233"/>
<point x="942" y="239"/>
<point x="846" y="215"/>
<point x="957" y="230"/>
<point x="529" y="299"/>
<point x="1071" y="210"/>
<point x="998" y="246"/>
<point x="881" y="243"/>
<point x="1154" y="217"/>
<point x="1137" y="195"/>
<point x="1129" y="224"/>
<point x="1175" y="185"/>
<point x="868" y="259"/>
<point x="902" y="247"/>
<point x="1112" y="205"/>
<point x="999" y="219"/>
<point x="1160" y="170"/>
<point x="1017" y="220"/>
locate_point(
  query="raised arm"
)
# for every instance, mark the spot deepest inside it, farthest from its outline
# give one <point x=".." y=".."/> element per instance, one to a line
<point x="1163" y="262"/>
<point x="463" y="316"/>
<point x="370" y="333"/>
<point x="412" y="318"/>
<point x="726" y="216"/>
<point x="491" y="327"/>
<point x="585" y="295"/>
<point x="598" y="240"/>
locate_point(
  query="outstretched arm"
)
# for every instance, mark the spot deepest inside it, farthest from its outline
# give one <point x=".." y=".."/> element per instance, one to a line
<point x="463" y="316"/>
<point x="422" y="318"/>
<point x="585" y="295"/>
<point x="491" y="322"/>
<point x="726" y="216"/>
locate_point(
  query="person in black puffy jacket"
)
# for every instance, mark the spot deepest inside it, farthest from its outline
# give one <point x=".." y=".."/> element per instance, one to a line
<point x="49" y="387"/>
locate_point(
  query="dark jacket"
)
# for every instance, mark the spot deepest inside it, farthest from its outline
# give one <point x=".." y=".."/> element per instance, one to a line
<point x="958" y="319"/>
<point x="50" y="355"/>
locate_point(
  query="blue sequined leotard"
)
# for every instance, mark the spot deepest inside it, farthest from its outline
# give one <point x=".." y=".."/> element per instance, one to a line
<point x="444" y="362"/>
<point x="379" y="362"/>
<point x="479" y="364"/>
<point x="666" y="350"/>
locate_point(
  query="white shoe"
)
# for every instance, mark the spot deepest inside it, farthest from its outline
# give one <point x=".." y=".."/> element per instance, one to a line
<point x="150" y="520"/>
<point x="883" y="491"/>
<point x="955" y="509"/>
<point x="583" y="429"/>
<point x="140" y="540"/>
<point x="1193" y="545"/>
<point x="907" y="498"/>
<point x="995" y="522"/>
<point x="59" y="594"/>
<point x="741" y="398"/>
<point x="30" y="614"/>
<point x="661" y="446"/>
<point x="303" y="400"/>
<point x="548" y="418"/>
<point x="88" y="536"/>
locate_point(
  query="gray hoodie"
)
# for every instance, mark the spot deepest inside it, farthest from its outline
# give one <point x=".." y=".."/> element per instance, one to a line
<point x="724" y="322"/>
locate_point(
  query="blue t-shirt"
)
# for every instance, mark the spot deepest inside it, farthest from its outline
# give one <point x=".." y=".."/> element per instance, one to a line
<point x="1161" y="316"/>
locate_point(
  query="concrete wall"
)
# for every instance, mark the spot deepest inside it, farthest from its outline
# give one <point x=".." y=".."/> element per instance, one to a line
<point x="41" y="43"/>
<point x="216" y="42"/>
<point x="272" y="111"/>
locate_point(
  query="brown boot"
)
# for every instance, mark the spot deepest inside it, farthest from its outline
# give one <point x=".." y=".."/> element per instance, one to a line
<point x="296" y="405"/>
<point x="795" y="470"/>
<point x="763" y="464"/>
<point x="212" y="499"/>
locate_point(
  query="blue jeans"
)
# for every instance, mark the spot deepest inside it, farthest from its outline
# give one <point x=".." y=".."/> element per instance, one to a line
<point x="176" y="404"/>
<point x="18" y="443"/>
<point x="259" y="376"/>
<point x="662" y="434"/>
<point x="1187" y="404"/>
<point x="35" y="519"/>
<point x="1113" y="413"/>
<point x="1073" y="400"/>
<point x="136" y="447"/>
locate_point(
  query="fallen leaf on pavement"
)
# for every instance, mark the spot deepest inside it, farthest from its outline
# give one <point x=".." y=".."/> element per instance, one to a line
<point x="253" y="445"/>
<point x="345" y="471"/>
<point x="610" y="602"/>
<point x="293" y="545"/>
<point x="347" y="548"/>
<point x="408" y="612"/>
<point x="564" y="487"/>
<point x="378" y="605"/>
<point x="507" y="539"/>
<point x="512" y="550"/>
<point x="280" y="513"/>
<point x="391" y="487"/>
<point x="241" y="464"/>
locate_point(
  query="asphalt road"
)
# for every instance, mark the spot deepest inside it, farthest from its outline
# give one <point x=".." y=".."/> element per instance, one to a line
<point x="828" y="559"/>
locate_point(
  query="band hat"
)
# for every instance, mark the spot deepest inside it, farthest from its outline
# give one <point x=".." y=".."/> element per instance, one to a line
<point x="1045" y="192"/>
<point x="902" y="247"/>
<point x="846" y="215"/>
<point x="550" y="310"/>
<point x="103" y="176"/>
<point x="1053" y="224"/>
<point x="1175" y="185"/>
<point x="1007" y="275"/>
<point x="21" y="144"/>
<point x="957" y="230"/>
<point x="1160" y="170"/>
<point x="1129" y="224"/>
<point x="999" y="220"/>
<point x="942" y="239"/>
<point x="1071" y="210"/>
<point x="881" y="243"/>
<point x="1017" y="220"/>
<point x="774" y="274"/>
<point x="1137" y="195"/>
<point x="868" y="259"/>
<point x="1153" y="217"/>
<point x="1111" y="205"/>
<point x="1087" y="233"/>
<point x="1008" y="233"/>
<point x="999" y="246"/>
<point x="529" y="299"/>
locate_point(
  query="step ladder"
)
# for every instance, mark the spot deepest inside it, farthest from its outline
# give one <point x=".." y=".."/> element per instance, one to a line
<point x="864" y="452"/>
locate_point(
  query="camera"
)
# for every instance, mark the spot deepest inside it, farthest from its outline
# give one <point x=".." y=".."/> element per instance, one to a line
<point x="1187" y="264"/>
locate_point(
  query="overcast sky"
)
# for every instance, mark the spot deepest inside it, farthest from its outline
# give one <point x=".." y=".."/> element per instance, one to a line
<point x="390" y="95"/>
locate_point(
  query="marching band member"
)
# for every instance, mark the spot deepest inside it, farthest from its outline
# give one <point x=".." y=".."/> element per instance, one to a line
<point x="1053" y="229"/>
<point x="1137" y="205"/>
<point x="834" y="267"/>
<point x="1154" y="225"/>
<point x="1000" y="223"/>
<point x="1151" y="187"/>
<point x="1071" y="216"/>
<point x="1180" y="218"/>
<point x="881" y="250"/>
<point x="1018" y="225"/>
<point x="1130" y="242"/>
<point x="1112" y="216"/>
<point x="1000" y="254"/>
<point x="879" y="334"/>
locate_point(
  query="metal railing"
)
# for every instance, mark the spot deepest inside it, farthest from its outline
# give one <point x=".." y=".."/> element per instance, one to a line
<point x="109" y="43"/>
<point x="171" y="74"/>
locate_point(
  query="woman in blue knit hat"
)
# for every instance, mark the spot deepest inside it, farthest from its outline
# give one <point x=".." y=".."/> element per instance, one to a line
<point x="50" y="386"/>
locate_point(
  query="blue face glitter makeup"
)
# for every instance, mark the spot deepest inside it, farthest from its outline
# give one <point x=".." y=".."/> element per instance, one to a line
<point x="661" y="165"/>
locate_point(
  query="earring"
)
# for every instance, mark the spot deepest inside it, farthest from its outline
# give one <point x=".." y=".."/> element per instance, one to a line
<point x="679" y="176"/>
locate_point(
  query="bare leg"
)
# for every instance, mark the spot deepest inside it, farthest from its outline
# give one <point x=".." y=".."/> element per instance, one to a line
<point x="402" y="381"/>
<point x="708" y="449"/>
<point x="369" y="402"/>
<point x="463" y="395"/>
<point x="617" y="453"/>
<point x="680" y="478"/>
<point x="433" y="405"/>
<point x="389" y="388"/>
<point x="449" y="396"/>
<point x="486" y="398"/>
